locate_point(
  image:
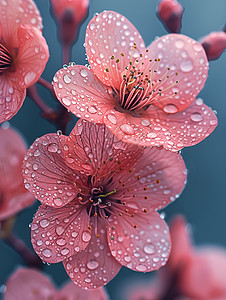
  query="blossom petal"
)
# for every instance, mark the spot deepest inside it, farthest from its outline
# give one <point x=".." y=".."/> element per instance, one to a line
<point x="28" y="284"/>
<point x="58" y="233"/>
<point x="81" y="92"/>
<point x="14" y="11"/>
<point x="71" y="289"/>
<point x="45" y="173"/>
<point x="172" y="131"/>
<point x="95" y="150"/>
<point x="95" y="266"/>
<point x="156" y="179"/>
<point x="101" y="45"/>
<point x="33" y="54"/>
<point x="145" y="248"/>
<point x="15" y="201"/>
<point x="11" y="98"/>
<point x="186" y="57"/>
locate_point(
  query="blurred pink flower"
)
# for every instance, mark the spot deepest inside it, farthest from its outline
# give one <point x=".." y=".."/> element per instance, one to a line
<point x="30" y="284"/>
<point x="214" y="44"/>
<point x="201" y="271"/>
<point x="70" y="14"/>
<point x="170" y="14"/>
<point x="145" y="97"/>
<point x="23" y="53"/>
<point x="99" y="199"/>
<point x="13" y="195"/>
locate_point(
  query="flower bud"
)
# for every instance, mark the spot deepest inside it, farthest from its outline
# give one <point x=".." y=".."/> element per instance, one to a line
<point x="214" y="44"/>
<point x="170" y="13"/>
<point x="70" y="14"/>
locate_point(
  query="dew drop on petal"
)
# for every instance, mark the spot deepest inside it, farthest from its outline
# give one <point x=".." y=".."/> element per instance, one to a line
<point x="127" y="129"/>
<point x="141" y="268"/>
<point x="196" y="117"/>
<point x="66" y="101"/>
<point x="170" y="109"/>
<point x="52" y="147"/>
<point x="47" y="253"/>
<point x="83" y="73"/>
<point x="179" y="43"/>
<point x="29" y="77"/>
<point x="145" y="122"/>
<point x="59" y="230"/>
<point x="44" y="223"/>
<point x="186" y="66"/>
<point x="67" y="78"/>
<point x="58" y="202"/>
<point x="92" y="264"/>
<point x="149" y="249"/>
<point x="92" y="109"/>
<point x="86" y="236"/>
<point x="112" y="119"/>
<point x="152" y="135"/>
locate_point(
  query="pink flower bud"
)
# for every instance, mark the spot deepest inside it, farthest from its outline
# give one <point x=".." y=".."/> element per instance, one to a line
<point x="70" y="14"/>
<point x="214" y="44"/>
<point x="170" y="14"/>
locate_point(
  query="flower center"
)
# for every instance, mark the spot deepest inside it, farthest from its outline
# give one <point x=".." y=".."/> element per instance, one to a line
<point x="141" y="85"/>
<point x="5" y="59"/>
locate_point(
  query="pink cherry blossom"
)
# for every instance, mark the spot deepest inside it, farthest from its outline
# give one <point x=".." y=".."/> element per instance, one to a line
<point x="23" y="53"/>
<point x="144" y="96"/>
<point x="202" y="271"/>
<point x="30" y="284"/>
<point x="170" y="13"/>
<point x="214" y="44"/>
<point x="99" y="199"/>
<point x="70" y="14"/>
<point x="13" y="196"/>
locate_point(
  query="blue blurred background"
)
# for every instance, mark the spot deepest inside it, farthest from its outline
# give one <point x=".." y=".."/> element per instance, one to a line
<point x="203" y="201"/>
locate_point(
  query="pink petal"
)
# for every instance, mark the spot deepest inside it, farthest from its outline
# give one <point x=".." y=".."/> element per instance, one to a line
<point x="173" y="131"/>
<point x="94" y="149"/>
<point x="28" y="284"/>
<point x="204" y="277"/>
<point x="110" y="34"/>
<point x="145" y="248"/>
<point x="181" y="245"/>
<point x="15" y="201"/>
<point x="183" y="56"/>
<point x="81" y="92"/>
<point x="11" y="98"/>
<point x="33" y="54"/>
<point x="157" y="178"/>
<point x="45" y="173"/>
<point x="95" y="266"/>
<point x="214" y="44"/>
<point x="58" y="233"/>
<point x="15" y="13"/>
<point x="72" y="292"/>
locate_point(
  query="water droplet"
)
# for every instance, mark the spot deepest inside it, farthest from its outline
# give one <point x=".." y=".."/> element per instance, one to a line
<point x="44" y="223"/>
<point x="141" y="268"/>
<point x="213" y="122"/>
<point x="66" y="101"/>
<point x="196" y="117"/>
<point x="179" y="43"/>
<point x="59" y="230"/>
<point x="58" y="202"/>
<point x="36" y="153"/>
<point x="145" y="122"/>
<point x="29" y="77"/>
<point x="61" y="242"/>
<point x="47" y="253"/>
<point x="92" y="109"/>
<point x="65" y="251"/>
<point x="92" y="25"/>
<point x="170" y="109"/>
<point x="67" y="78"/>
<point x="152" y="135"/>
<point x="127" y="129"/>
<point x="112" y="119"/>
<point x="86" y="236"/>
<point x="74" y="234"/>
<point x="92" y="264"/>
<point x="186" y="66"/>
<point x="83" y="73"/>
<point x="52" y="147"/>
<point x="149" y="249"/>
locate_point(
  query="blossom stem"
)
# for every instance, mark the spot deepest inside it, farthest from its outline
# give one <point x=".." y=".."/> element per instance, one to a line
<point x="66" y="53"/>
<point x="33" y="94"/>
<point x="21" y="248"/>
<point x="46" y="84"/>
